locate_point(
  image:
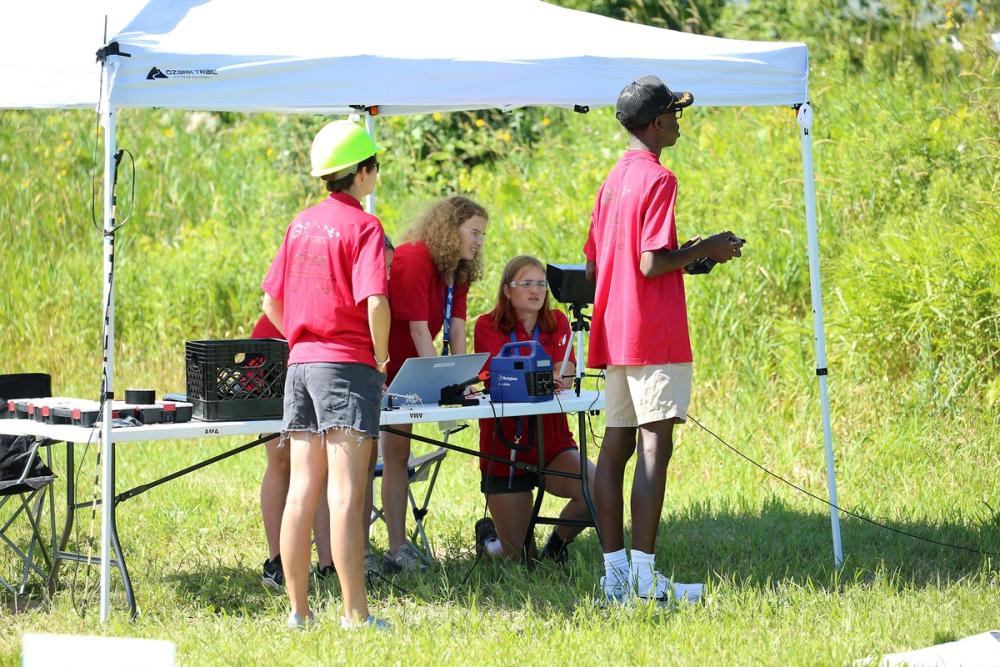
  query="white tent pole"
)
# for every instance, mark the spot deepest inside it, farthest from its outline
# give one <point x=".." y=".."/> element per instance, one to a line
<point x="370" y="126"/>
<point x="107" y="482"/>
<point x="805" y="120"/>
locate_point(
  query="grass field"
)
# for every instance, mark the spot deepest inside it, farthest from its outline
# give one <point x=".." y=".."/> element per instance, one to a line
<point x="194" y="548"/>
<point x="908" y="186"/>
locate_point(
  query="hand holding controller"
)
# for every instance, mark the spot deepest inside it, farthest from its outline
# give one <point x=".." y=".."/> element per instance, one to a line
<point x="719" y="249"/>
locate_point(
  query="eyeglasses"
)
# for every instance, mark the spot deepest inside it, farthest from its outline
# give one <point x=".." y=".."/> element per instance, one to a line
<point x="474" y="233"/>
<point x="376" y="166"/>
<point x="526" y="284"/>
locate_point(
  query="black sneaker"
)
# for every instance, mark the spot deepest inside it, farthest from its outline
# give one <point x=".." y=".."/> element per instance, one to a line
<point x="485" y="531"/>
<point x="274" y="576"/>
<point x="324" y="572"/>
<point x="559" y="556"/>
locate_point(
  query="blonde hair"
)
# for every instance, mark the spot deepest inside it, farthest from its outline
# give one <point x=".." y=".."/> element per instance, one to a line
<point x="438" y="227"/>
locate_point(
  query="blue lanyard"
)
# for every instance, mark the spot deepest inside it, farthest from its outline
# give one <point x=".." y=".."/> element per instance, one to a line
<point x="446" y="325"/>
<point x="534" y="334"/>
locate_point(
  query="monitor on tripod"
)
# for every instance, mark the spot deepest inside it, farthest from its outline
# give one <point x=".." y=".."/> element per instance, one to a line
<point x="570" y="286"/>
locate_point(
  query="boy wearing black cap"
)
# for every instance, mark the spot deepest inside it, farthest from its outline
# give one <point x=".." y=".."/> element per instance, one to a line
<point x="639" y="334"/>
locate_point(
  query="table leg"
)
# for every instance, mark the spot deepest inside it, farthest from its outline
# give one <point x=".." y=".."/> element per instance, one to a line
<point x="585" y="474"/>
<point x="584" y="478"/>
<point x="60" y="553"/>
<point x="53" y="541"/>
<point x="529" y="536"/>
<point x="116" y="544"/>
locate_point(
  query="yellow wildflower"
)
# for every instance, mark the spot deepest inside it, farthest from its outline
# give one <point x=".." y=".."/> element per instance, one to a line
<point x="480" y="122"/>
<point x="169" y="132"/>
<point x="437" y="116"/>
<point x="546" y="122"/>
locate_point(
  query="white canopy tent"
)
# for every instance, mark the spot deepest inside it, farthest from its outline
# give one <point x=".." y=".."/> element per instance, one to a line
<point x="382" y="57"/>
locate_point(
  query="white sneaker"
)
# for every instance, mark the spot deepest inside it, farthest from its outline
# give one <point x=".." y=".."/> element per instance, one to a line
<point x="664" y="591"/>
<point x="615" y="591"/>
<point x="371" y="622"/>
<point x="406" y="559"/>
<point x="296" y="622"/>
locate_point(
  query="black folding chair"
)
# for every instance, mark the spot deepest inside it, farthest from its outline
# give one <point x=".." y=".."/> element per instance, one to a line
<point x="24" y="480"/>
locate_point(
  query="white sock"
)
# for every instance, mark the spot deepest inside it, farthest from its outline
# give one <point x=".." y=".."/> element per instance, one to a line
<point x="616" y="568"/>
<point x="493" y="547"/>
<point x="643" y="567"/>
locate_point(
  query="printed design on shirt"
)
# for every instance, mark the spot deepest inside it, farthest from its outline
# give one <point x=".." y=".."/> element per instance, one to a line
<point x="619" y="233"/>
<point x="310" y="271"/>
<point x="609" y="203"/>
<point x="608" y="197"/>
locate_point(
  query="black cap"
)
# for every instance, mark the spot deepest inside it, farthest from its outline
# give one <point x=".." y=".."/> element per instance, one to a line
<point x="644" y="99"/>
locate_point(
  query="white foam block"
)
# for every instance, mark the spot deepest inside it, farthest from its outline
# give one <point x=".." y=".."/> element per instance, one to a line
<point x="976" y="651"/>
<point x="82" y="651"/>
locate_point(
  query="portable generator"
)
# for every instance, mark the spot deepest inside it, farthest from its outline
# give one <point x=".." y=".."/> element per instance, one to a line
<point x="521" y="378"/>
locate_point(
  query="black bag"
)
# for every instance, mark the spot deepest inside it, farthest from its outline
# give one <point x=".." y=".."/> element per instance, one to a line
<point x="14" y="454"/>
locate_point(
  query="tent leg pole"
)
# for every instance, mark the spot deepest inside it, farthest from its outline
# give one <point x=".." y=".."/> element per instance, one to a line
<point x="108" y="303"/>
<point x="805" y="118"/>
<point x="370" y="126"/>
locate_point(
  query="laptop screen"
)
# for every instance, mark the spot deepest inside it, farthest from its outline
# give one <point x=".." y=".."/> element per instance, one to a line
<point x="424" y="377"/>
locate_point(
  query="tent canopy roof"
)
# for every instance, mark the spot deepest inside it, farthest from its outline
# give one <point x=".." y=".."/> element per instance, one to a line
<point x="404" y="57"/>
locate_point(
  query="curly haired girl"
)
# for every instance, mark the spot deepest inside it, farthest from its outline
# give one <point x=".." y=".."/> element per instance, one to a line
<point x="432" y="270"/>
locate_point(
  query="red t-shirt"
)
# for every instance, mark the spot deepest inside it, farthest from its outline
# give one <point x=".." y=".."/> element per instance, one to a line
<point x="637" y="321"/>
<point x="265" y="329"/>
<point x="417" y="293"/>
<point x="331" y="261"/>
<point x="555" y="427"/>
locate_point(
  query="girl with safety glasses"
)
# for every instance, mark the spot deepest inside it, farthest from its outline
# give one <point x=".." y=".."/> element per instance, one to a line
<point x="522" y="313"/>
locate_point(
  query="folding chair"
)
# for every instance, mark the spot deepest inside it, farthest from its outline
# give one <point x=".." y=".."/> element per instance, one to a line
<point x="24" y="480"/>
<point x="419" y="469"/>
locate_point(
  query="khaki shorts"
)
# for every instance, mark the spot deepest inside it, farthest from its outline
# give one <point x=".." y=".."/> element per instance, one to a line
<point x="637" y="395"/>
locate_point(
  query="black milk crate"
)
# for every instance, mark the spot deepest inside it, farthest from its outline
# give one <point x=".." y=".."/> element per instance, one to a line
<point x="236" y="379"/>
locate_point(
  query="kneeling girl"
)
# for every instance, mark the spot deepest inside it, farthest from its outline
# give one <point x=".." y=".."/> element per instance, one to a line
<point x="522" y="313"/>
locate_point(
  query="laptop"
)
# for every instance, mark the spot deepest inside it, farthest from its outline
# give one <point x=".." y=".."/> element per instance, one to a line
<point x="426" y="376"/>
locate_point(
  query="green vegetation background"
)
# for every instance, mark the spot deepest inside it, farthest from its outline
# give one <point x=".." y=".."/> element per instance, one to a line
<point x="907" y="160"/>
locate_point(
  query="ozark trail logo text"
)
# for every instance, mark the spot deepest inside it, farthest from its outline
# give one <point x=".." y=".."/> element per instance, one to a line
<point x="203" y="73"/>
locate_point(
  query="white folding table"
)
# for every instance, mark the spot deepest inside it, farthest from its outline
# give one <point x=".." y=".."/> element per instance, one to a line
<point x="565" y="402"/>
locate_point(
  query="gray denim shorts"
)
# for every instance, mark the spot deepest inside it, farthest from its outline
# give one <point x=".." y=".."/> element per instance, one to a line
<point x="323" y="396"/>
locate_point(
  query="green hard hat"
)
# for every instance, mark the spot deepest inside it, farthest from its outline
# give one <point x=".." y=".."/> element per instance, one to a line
<point x="339" y="145"/>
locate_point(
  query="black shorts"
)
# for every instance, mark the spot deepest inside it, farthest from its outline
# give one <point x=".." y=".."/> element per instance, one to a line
<point x="496" y="484"/>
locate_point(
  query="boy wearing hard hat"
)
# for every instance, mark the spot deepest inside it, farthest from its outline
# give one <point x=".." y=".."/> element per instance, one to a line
<point x="326" y="292"/>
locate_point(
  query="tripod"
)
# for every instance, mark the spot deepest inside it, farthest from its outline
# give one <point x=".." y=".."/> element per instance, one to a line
<point x="579" y="325"/>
